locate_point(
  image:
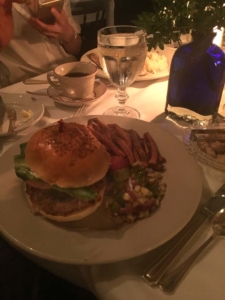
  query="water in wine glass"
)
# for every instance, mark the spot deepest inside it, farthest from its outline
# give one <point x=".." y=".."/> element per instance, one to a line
<point x="122" y="51"/>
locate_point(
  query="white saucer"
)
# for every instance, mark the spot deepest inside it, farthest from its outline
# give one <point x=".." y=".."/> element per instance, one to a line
<point x="99" y="90"/>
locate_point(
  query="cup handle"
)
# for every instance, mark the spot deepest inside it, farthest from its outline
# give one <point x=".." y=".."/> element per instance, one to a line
<point x="52" y="83"/>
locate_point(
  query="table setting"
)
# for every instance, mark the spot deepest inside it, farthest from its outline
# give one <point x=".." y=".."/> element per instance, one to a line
<point x="113" y="261"/>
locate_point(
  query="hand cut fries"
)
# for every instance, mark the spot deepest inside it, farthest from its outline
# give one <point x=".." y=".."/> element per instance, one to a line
<point x="128" y="144"/>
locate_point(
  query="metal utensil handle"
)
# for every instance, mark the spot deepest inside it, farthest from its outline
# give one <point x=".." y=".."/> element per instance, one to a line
<point x="35" y="81"/>
<point x="170" y="281"/>
<point x="162" y="262"/>
<point x="37" y="93"/>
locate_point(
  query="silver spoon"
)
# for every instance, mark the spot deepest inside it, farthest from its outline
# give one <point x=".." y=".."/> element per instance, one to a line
<point x="170" y="281"/>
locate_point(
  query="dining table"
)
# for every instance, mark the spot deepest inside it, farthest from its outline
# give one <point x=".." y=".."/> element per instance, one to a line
<point x="122" y="280"/>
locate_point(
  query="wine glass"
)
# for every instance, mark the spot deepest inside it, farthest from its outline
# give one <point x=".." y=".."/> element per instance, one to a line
<point x="122" y="52"/>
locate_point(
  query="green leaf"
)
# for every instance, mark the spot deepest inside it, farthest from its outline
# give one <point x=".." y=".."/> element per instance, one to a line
<point x="176" y="17"/>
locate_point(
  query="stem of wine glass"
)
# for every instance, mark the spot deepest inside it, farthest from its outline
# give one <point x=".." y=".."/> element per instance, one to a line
<point x="121" y="96"/>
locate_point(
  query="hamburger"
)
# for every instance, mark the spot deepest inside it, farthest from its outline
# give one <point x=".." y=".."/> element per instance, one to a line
<point x="63" y="167"/>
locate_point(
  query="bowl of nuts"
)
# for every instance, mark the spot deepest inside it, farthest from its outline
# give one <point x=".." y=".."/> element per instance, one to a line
<point x="206" y="142"/>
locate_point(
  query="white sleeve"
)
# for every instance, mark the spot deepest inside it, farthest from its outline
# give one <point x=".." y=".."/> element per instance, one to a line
<point x="71" y="19"/>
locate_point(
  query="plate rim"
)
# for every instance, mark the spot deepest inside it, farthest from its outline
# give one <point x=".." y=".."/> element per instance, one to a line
<point x="75" y="260"/>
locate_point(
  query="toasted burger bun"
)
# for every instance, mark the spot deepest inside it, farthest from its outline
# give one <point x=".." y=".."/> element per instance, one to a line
<point x="56" y="210"/>
<point x="68" y="155"/>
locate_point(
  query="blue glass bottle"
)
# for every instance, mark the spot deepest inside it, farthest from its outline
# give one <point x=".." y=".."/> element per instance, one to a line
<point x="196" y="80"/>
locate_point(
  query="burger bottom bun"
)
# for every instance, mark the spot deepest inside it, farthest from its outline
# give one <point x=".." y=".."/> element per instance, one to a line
<point x="76" y="215"/>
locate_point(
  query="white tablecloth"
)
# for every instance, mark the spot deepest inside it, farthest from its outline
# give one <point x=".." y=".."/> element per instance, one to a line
<point x="121" y="281"/>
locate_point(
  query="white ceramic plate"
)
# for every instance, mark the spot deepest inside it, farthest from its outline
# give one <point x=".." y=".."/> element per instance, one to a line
<point x="99" y="91"/>
<point x="69" y="245"/>
<point x="21" y="102"/>
<point x="168" y="52"/>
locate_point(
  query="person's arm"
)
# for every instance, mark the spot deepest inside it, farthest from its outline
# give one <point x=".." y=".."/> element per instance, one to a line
<point x="76" y="39"/>
<point x="72" y="45"/>
<point x="64" y="29"/>
<point x="69" y="39"/>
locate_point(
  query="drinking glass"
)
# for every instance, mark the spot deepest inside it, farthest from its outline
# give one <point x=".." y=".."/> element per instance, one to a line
<point x="122" y="52"/>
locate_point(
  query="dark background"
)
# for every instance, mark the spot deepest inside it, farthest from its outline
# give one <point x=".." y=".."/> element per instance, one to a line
<point x="127" y="10"/>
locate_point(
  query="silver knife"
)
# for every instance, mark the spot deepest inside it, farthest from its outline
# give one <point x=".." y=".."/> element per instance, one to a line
<point x="156" y="269"/>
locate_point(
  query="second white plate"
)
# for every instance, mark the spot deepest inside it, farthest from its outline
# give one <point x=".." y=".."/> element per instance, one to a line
<point x="168" y="52"/>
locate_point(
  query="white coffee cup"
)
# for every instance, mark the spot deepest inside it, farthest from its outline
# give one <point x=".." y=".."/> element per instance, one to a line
<point x="75" y="79"/>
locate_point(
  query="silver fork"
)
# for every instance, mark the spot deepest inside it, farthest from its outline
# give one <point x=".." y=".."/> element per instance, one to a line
<point x="81" y="111"/>
<point x="12" y="116"/>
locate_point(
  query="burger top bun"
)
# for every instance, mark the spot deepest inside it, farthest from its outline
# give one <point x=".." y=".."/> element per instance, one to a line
<point x="68" y="155"/>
